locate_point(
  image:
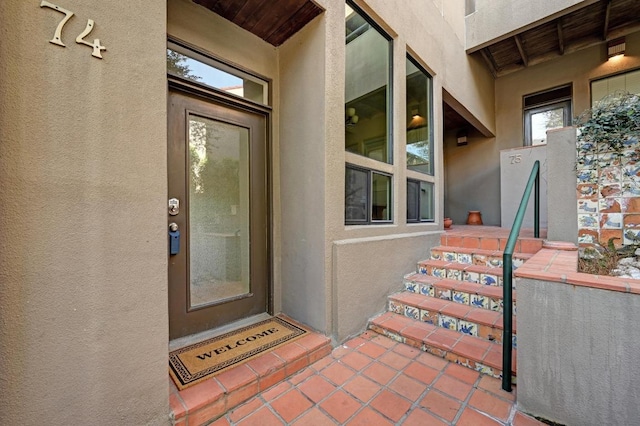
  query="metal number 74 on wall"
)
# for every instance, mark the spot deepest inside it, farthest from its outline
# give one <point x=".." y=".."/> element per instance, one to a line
<point x="57" y="35"/>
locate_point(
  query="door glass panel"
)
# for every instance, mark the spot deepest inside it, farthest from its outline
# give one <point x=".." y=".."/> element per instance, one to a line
<point x="543" y="121"/>
<point x="218" y="161"/>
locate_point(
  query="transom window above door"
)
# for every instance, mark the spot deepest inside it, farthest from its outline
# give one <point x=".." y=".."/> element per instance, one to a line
<point x="195" y="66"/>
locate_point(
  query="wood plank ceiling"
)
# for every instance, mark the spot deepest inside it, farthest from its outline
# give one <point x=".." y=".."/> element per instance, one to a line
<point x="591" y="25"/>
<point x="272" y="21"/>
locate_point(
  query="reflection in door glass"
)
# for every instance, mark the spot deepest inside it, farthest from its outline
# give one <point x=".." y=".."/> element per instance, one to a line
<point x="218" y="211"/>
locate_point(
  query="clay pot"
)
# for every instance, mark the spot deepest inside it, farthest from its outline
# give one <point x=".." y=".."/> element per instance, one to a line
<point x="447" y="222"/>
<point x="474" y="218"/>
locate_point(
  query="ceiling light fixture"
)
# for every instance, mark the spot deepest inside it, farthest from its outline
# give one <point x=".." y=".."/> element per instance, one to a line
<point x="352" y="118"/>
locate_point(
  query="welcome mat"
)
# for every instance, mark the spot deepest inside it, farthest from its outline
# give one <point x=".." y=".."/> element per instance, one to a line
<point x="195" y="363"/>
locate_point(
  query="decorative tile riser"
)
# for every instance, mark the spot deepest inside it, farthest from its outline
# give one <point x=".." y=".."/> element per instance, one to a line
<point x="456" y="274"/>
<point x="486" y="332"/>
<point x="491" y="261"/>
<point x="448" y="355"/>
<point x="479" y="301"/>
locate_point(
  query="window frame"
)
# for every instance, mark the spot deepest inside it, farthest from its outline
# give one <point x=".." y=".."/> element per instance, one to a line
<point x="562" y="101"/>
<point x="419" y="204"/>
<point x="389" y="86"/>
<point x="369" y="200"/>
<point x="428" y="117"/>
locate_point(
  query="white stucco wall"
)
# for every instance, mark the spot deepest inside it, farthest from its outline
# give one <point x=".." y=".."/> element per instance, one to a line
<point x="83" y="252"/>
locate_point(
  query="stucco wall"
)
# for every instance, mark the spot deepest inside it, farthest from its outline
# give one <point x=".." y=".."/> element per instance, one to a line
<point x="434" y="33"/>
<point x="515" y="169"/>
<point x="578" y="68"/>
<point x="472" y="178"/>
<point x="494" y="20"/>
<point x="302" y="176"/>
<point x="369" y="269"/>
<point x="83" y="252"/>
<point x="577" y="354"/>
<point x="561" y="201"/>
<point x="479" y="160"/>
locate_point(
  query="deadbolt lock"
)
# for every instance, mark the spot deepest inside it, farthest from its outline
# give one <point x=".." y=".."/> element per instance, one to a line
<point x="174" y="206"/>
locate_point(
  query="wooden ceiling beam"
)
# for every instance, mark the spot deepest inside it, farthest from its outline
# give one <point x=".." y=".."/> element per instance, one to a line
<point x="607" y="15"/>
<point x="560" y="37"/>
<point x="488" y="59"/>
<point x="523" y="54"/>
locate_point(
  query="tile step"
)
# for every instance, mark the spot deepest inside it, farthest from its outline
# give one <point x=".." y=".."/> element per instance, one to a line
<point x="463" y="292"/>
<point x="465" y="319"/>
<point x="461" y="272"/>
<point x="523" y="244"/>
<point x="472" y="352"/>
<point x="206" y="401"/>
<point x="479" y="257"/>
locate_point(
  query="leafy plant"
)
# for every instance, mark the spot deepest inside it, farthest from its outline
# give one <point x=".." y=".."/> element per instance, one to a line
<point x="611" y="121"/>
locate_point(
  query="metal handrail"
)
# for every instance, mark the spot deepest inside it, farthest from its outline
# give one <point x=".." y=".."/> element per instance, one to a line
<point x="507" y="269"/>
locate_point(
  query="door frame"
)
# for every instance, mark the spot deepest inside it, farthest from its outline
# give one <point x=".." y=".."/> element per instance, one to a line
<point x="208" y="94"/>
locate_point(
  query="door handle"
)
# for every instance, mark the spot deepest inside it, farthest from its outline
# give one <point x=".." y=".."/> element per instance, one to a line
<point x="174" y="239"/>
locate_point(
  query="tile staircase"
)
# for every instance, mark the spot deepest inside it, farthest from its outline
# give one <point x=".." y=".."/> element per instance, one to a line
<point x="452" y="305"/>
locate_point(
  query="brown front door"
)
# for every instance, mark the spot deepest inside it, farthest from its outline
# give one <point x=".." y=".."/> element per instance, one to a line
<point x="217" y="160"/>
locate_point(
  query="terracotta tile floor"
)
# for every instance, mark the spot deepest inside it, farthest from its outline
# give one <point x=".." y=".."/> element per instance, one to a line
<point x="373" y="380"/>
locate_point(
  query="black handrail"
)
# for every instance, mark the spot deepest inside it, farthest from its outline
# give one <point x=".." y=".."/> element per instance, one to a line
<point x="507" y="269"/>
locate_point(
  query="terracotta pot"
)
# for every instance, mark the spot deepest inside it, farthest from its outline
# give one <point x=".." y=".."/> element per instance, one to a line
<point x="447" y="222"/>
<point x="474" y="218"/>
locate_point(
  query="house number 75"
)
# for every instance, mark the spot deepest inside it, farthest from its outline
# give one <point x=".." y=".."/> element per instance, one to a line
<point x="57" y="35"/>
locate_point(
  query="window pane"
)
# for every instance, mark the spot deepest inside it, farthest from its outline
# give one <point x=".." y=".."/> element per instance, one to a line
<point x="193" y="67"/>
<point x="426" y="201"/>
<point x="368" y="54"/>
<point x="381" y="194"/>
<point x="543" y="121"/>
<point x="413" y="207"/>
<point x="419" y="142"/>
<point x="356" y="195"/>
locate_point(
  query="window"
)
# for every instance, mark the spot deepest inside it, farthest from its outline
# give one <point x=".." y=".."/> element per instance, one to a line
<point x="544" y="111"/>
<point x="626" y="82"/>
<point x="367" y="196"/>
<point x="419" y="201"/>
<point x="419" y="119"/>
<point x="368" y="53"/>
<point x="194" y="66"/>
<point x="367" y="88"/>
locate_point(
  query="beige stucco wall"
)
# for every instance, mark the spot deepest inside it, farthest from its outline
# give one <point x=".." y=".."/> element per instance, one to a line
<point x="479" y="160"/>
<point x="578" y="68"/>
<point x="83" y="252"/>
<point x="302" y="176"/>
<point x="494" y="20"/>
<point x="434" y="33"/>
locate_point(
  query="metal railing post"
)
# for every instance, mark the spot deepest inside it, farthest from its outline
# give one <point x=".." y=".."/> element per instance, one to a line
<point x="507" y="316"/>
<point x="507" y="270"/>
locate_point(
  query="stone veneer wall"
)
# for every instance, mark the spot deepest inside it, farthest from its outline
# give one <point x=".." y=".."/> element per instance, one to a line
<point x="608" y="189"/>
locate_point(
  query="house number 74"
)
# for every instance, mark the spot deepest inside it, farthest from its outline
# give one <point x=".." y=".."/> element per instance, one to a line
<point x="57" y="35"/>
